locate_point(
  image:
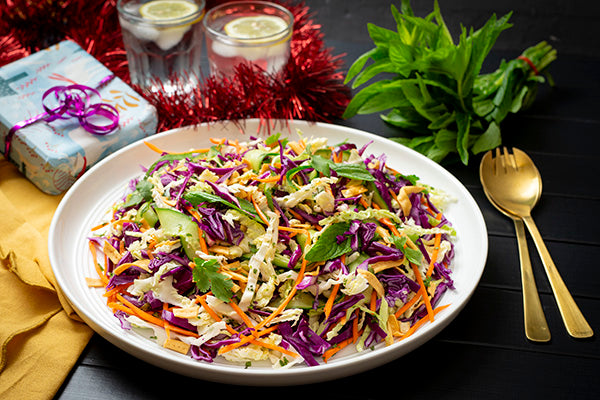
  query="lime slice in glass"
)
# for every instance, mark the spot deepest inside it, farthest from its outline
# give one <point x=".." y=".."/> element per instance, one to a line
<point x="256" y="27"/>
<point x="163" y="10"/>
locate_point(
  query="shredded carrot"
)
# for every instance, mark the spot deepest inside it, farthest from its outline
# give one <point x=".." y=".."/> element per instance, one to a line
<point x="355" y="327"/>
<point x="102" y="225"/>
<point x="297" y="230"/>
<point x="394" y="195"/>
<point x="331" y="351"/>
<point x="158" y="150"/>
<point x="216" y="317"/>
<point x="434" y="254"/>
<point x="408" y="304"/>
<point x="249" y="323"/>
<point x="296" y="215"/>
<point x="274" y="347"/>
<point x="363" y="202"/>
<point x="259" y="211"/>
<point x="390" y="225"/>
<point x="117" y="306"/>
<point x="373" y="300"/>
<point x="287" y="299"/>
<point x="151" y="318"/>
<point x="420" y="322"/>
<point x="196" y="215"/>
<point x="117" y="289"/>
<point x="247" y="339"/>
<point x="101" y="274"/>
<point x="268" y="179"/>
<point x="217" y="140"/>
<point x="423" y="291"/>
<point x="122" y="268"/>
<point x="330" y="300"/>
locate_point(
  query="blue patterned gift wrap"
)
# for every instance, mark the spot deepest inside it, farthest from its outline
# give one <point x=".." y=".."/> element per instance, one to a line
<point x="54" y="154"/>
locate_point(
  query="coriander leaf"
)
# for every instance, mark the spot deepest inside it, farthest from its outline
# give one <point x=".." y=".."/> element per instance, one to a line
<point x="271" y="140"/>
<point x="326" y="247"/>
<point x="413" y="179"/>
<point x="142" y="192"/>
<point x="206" y="275"/>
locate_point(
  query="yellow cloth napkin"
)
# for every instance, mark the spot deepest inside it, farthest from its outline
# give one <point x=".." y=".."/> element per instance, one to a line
<point x="41" y="337"/>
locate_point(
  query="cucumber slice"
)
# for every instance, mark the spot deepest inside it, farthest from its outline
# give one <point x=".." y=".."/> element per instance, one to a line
<point x="256" y="156"/>
<point x="176" y="223"/>
<point x="377" y="199"/>
<point x="301" y="300"/>
<point x="146" y="213"/>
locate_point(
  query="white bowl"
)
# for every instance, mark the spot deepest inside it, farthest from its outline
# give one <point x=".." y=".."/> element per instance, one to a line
<point x="106" y="182"/>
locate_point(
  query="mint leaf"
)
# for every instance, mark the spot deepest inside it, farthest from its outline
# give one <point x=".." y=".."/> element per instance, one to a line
<point x="321" y="164"/>
<point x="326" y="246"/>
<point x="488" y="140"/>
<point x="434" y="86"/>
<point x="207" y="277"/>
<point x="412" y="255"/>
<point x="353" y="171"/>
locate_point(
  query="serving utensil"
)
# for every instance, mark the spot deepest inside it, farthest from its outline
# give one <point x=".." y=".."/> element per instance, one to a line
<point x="514" y="184"/>
<point x="536" y="327"/>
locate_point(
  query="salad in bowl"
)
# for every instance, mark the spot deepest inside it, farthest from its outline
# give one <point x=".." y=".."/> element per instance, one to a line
<point x="274" y="250"/>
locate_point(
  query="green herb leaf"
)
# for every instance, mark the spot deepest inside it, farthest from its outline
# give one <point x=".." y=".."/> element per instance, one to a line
<point x="353" y="171"/>
<point x="197" y="197"/>
<point x="207" y="277"/>
<point x="412" y="255"/>
<point x="321" y="164"/>
<point x="271" y="140"/>
<point x="326" y="246"/>
<point x="433" y="86"/>
<point x="142" y="192"/>
<point x="488" y="140"/>
<point x="356" y="171"/>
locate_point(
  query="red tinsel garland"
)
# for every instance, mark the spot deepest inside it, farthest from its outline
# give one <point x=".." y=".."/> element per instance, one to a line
<point x="310" y="88"/>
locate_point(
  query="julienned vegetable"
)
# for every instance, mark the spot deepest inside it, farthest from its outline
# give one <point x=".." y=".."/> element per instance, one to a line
<point x="433" y="87"/>
<point x="276" y="250"/>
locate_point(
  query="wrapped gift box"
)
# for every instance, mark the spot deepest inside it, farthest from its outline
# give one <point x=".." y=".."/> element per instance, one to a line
<point x="54" y="154"/>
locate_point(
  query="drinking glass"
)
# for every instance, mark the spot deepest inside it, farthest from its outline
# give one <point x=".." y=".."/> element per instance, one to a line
<point x="163" y="49"/>
<point x="250" y="42"/>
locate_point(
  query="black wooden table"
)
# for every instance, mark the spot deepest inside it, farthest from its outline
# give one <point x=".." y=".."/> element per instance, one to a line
<point x="483" y="353"/>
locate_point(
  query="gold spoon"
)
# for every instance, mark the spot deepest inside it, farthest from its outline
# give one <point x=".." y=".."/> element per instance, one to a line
<point x="536" y="327"/>
<point x="514" y="184"/>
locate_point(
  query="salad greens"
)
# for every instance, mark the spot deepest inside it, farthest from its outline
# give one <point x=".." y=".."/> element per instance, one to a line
<point x="276" y="250"/>
<point x="436" y="88"/>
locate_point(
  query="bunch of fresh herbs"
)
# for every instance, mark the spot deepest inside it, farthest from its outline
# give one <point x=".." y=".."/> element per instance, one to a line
<point x="434" y="86"/>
